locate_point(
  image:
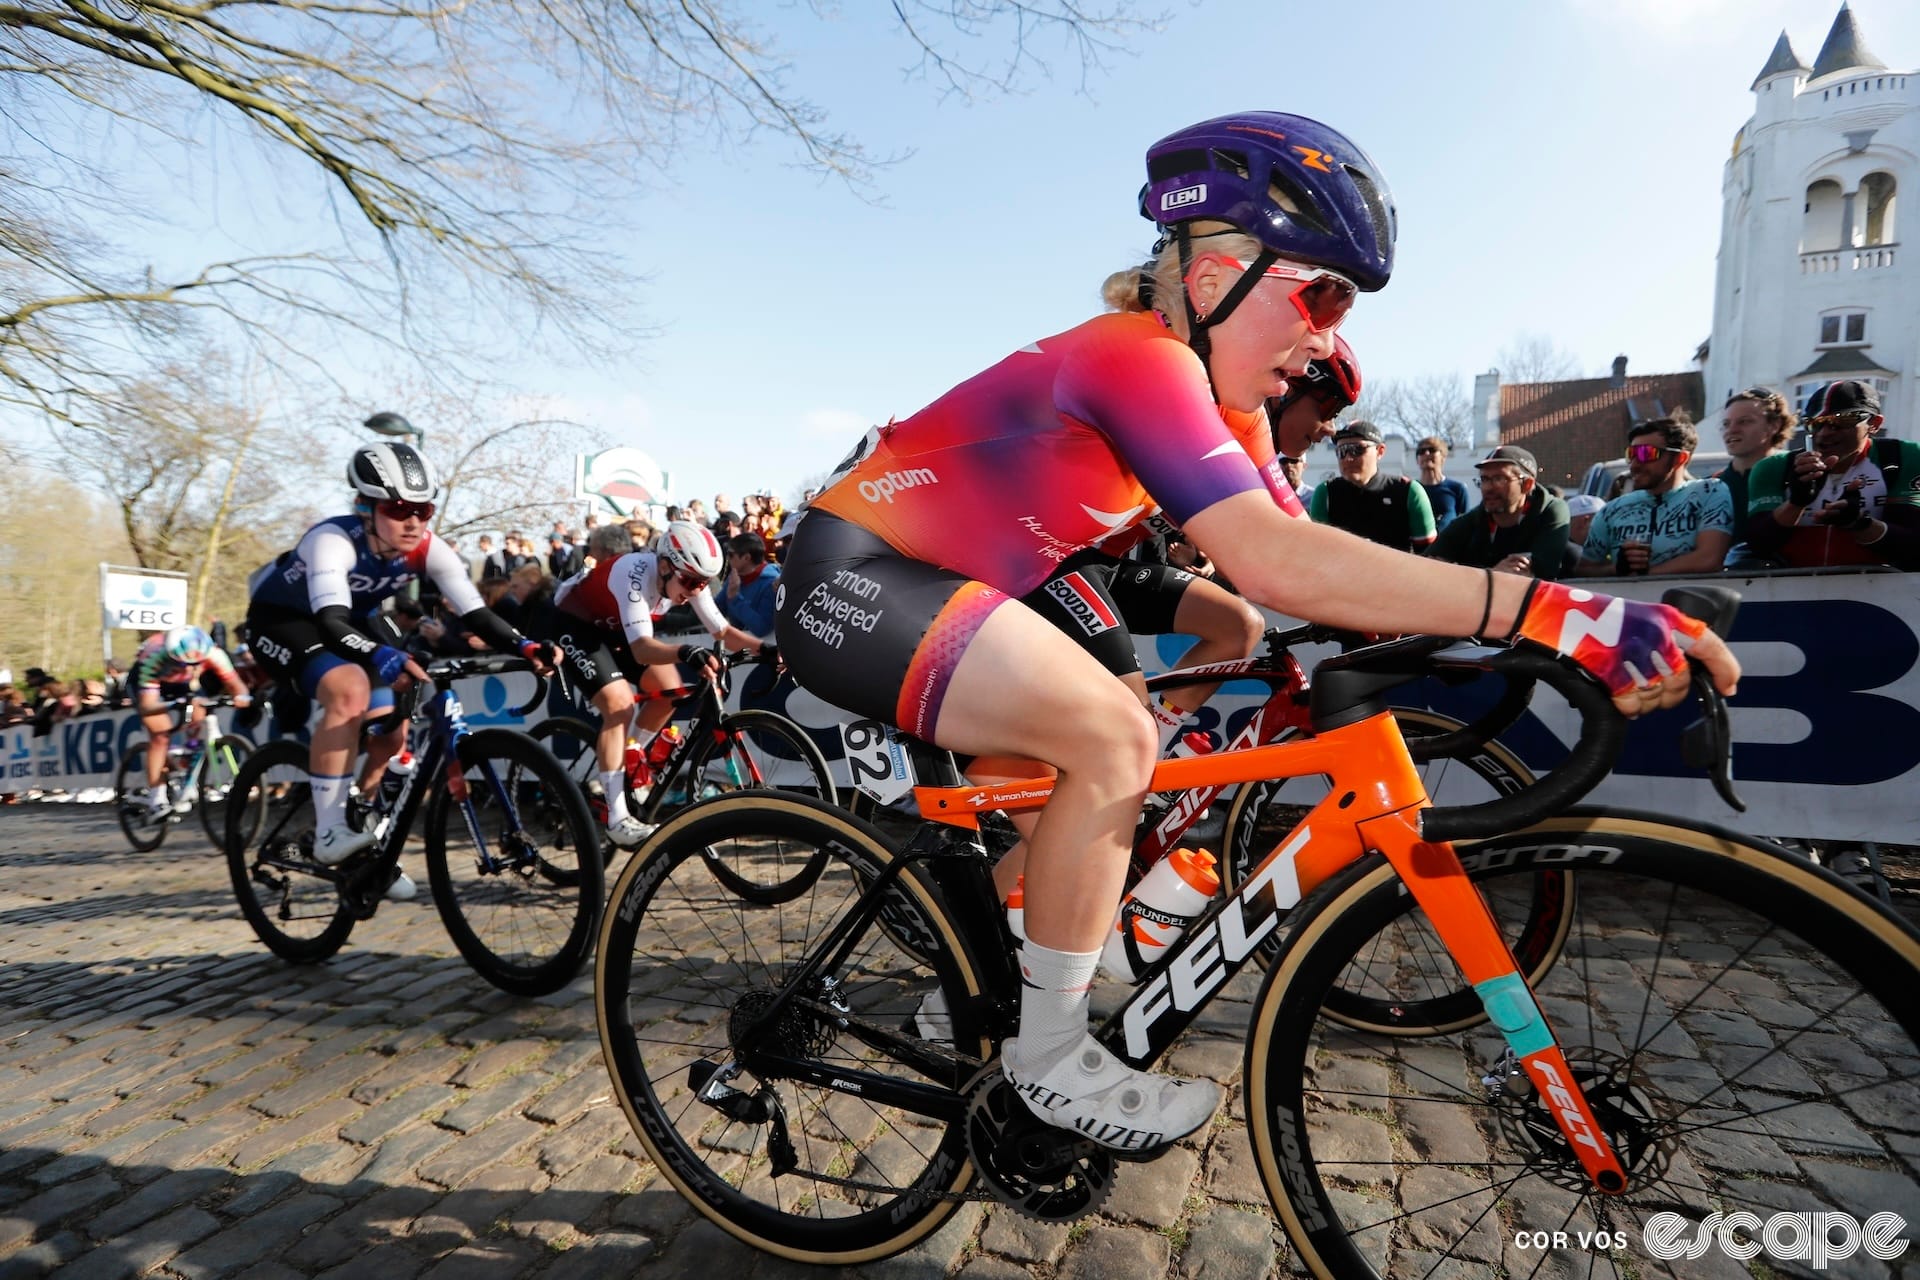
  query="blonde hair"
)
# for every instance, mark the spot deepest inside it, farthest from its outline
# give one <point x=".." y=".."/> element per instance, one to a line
<point x="1121" y="292"/>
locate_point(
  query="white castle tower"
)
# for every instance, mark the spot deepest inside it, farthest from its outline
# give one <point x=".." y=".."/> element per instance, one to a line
<point x="1812" y="283"/>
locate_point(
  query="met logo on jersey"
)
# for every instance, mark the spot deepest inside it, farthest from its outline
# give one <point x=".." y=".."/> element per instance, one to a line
<point x="1184" y="196"/>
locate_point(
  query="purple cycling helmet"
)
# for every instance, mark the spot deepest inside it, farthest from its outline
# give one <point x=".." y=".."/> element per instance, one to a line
<point x="1302" y="190"/>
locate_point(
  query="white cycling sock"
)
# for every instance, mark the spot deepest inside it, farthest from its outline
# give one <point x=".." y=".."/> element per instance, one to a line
<point x="614" y="783"/>
<point x="1055" y="989"/>
<point x="1167" y="718"/>
<point x="329" y="800"/>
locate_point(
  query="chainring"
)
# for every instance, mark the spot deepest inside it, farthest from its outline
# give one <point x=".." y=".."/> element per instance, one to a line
<point x="1037" y="1169"/>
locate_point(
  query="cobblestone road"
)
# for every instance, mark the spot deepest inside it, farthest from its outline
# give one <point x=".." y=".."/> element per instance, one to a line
<point x="176" y="1101"/>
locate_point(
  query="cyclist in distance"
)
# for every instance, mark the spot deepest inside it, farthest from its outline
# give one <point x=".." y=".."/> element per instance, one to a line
<point x="173" y="664"/>
<point x="1306" y="413"/>
<point x="901" y="592"/>
<point x="603" y="626"/>
<point x="309" y="615"/>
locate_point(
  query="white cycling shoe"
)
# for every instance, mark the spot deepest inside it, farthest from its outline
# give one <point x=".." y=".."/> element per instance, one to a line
<point x="403" y="888"/>
<point x="628" y="832"/>
<point x="336" y="844"/>
<point x="1094" y="1093"/>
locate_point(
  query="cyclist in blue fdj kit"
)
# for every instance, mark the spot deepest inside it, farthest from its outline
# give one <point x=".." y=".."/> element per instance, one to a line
<point x="172" y="664"/>
<point x="309" y="612"/>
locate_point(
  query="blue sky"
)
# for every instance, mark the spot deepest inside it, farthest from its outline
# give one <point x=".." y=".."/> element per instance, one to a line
<point x="1557" y="167"/>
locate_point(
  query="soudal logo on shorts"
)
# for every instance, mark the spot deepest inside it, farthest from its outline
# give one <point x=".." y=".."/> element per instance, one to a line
<point x="1077" y="596"/>
<point x="1185" y="195"/>
<point x="882" y="488"/>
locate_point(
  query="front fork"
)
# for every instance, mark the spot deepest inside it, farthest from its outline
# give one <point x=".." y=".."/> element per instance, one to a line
<point x="1459" y="914"/>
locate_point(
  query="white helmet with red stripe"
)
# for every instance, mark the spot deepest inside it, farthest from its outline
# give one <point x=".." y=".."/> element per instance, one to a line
<point x="691" y="549"/>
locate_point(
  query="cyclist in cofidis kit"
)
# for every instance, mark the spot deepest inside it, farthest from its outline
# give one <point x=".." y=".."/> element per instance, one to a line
<point x="900" y="594"/>
<point x="308" y="617"/>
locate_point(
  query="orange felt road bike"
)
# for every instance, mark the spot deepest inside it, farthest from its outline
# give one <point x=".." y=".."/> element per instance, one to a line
<point x="1727" y="1026"/>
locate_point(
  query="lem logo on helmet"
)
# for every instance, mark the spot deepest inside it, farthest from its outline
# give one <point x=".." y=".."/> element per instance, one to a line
<point x="1184" y="196"/>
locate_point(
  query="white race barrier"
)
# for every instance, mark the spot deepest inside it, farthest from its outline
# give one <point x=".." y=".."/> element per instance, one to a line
<point x="1826" y="725"/>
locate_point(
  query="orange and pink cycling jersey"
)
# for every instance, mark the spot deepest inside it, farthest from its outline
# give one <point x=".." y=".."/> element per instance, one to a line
<point x="1067" y="443"/>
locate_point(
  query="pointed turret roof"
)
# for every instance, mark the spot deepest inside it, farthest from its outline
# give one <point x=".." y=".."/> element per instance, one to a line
<point x="1844" y="48"/>
<point x="1782" y="59"/>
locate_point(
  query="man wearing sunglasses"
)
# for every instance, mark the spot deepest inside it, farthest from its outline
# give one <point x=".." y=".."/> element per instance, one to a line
<point x="309" y="617"/>
<point x="1447" y="498"/>
<point x="603" y="623"/>
<point x="1848" y="498"/>
<point x="1389" y="510"/>
<point x="1670" y="522"/>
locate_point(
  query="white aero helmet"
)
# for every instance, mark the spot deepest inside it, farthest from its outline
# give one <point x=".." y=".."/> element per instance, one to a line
<point x="391" y="472"/>
<point x="691" y="549"/>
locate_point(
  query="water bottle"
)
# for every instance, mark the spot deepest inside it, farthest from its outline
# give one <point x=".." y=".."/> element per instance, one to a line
<point x="662" y="745"/>
<point x="1017" y="909"/>
<point x="639" y="772"/>
<point x="393" y="779"/>
<point x="1168" y="899"/>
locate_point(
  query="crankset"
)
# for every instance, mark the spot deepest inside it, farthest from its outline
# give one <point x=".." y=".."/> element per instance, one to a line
<point x="1037" y="1169"/>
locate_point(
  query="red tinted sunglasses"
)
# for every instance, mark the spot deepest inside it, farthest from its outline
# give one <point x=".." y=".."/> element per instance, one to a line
<point x="692" y="581"/>
<point x="397" y="510"/>
<point x="1646" y="452"/>
<point x="1322" y="298"/>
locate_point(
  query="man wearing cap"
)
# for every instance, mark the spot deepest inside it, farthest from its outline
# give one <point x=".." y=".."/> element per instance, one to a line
<point x="1390" y="511"/>
<point x="1670" y="522"/>
<point x="1849" y="498"/>
<point x="1518" y="526"/>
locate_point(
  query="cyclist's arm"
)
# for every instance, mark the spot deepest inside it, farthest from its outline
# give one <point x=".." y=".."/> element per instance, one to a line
<point x="222" y="666"/>
<point x="725" y="633"/>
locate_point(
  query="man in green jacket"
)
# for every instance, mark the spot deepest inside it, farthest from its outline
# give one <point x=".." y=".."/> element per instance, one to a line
<point x="1518" y="526"/>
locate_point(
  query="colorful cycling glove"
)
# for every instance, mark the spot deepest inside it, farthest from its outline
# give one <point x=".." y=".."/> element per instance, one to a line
<point x="1625" y="643"/>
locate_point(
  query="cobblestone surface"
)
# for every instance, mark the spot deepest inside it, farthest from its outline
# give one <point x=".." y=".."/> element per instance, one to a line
<point x="176" y="1101"/>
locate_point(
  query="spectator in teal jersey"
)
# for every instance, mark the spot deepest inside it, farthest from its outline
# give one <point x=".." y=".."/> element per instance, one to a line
<point x="1670" y="522"/>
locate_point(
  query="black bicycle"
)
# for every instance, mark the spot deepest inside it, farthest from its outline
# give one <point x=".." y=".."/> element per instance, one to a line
<point x="505" y="830"/>
<point x="721" y="752"/>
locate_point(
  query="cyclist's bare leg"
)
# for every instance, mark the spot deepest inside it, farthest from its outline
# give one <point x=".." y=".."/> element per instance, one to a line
<point x="159" y="727"/>
<point x="343" y="695"/>
<point x="614" y="702"/>
<point x="381" y="748"/>
<point x="1024" y="687"/>
<point x="1229" y="629"/>
<point x="654" y="715"/>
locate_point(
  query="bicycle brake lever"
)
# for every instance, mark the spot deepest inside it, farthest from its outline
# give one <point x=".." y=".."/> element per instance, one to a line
<point x="1707" y="743"/>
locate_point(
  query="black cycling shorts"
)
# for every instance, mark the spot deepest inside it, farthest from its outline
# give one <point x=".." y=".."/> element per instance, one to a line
<point x="870" y="630"/>
<point x="290" y="647"/>
<point x="1101" y="602"/>
<point x="593" y="656"/>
